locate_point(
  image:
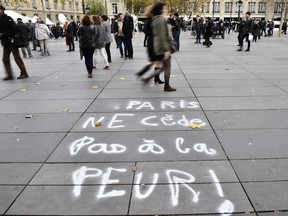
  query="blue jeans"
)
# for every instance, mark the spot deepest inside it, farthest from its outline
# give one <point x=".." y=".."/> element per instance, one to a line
<point x="120" y="41"/>
<point x="88" y="55"/>
<point x="176" y="37"/>
<point x="198" y="36"/>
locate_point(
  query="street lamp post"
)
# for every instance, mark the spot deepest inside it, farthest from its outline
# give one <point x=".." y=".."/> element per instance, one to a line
<point x="213" y="10"/>
<point x="239" y="7"/>
<point x="83" y="6"/>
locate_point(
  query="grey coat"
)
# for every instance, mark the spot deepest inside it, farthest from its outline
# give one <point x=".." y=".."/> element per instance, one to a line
<point x="161" y="41"/>
<point x="99" y="36"/>
<point x="107" y="29"/>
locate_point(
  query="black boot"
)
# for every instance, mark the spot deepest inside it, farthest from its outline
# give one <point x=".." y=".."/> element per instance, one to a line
<point x="167" y="87"/>
<point x="157" y="77"/>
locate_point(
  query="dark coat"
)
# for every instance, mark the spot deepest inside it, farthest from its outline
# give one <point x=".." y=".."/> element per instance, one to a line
<point x="24" y="30"/>
<point x="208" y="29"/>
<point x="128" y="26"/>
<point x="256" y="29"/>
<point x="70" y="31"/>
<point x="248" y="26"/>
<point x="86" y="37"/>
<point x="8" y="28"/>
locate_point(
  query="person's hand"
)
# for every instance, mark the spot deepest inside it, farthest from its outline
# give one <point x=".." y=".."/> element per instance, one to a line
<point x="167" y="55"/>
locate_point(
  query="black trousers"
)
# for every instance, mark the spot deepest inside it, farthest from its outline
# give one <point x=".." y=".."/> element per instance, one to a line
<point x="107" y="48"/>
<point x="129" y="46"/>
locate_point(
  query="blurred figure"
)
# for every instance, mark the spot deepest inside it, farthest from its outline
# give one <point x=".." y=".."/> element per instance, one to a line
<point x="256" y="30"/>
<point x="119" y="35"/>
<point x="176" y="24"/>
<point x="42" y="34"/>
<point x="207" y="31"/>
<point x="25" y="31"/>
<point x="70" y="36"/>
<point x="247" y="30"/>
<point x="128" y="27"/>
<point x="108" y="37"/>
<point x="198" y="29"/>
<point x="100" y="41"/>
<point x="8" y="29"/>
<point x="86" y="35"/>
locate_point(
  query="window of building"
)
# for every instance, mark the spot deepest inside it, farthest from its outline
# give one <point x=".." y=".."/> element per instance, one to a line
<point x="71" y="17"/>
<point x="56" y="17"/>
<point x="216" y="7"/>
<point x="78" y="18"/>
<point x="252" y="7"/>
<point x="262" y="7"/>
<point x="115" y="8"/>
<point x="205" y="7"/>
<point x="47" y="4"/>
<point x="49" y="16"/>
<point x="63" y="6"/>
<point x="33" y="3"/>
<point x="70" y="6"/>
<point x="237" y="7"/>
<point x="20" y="4"/>
<point x="77" y="6"/>
<point x="55" y="6"/>
<point x="277" y="7"/>
<point x="228" y="7"/>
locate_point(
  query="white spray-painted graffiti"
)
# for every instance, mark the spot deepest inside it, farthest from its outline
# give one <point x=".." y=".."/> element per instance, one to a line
<point x="149" y="146"/>
<point x="164" y="105"/>
<point x="118" y="121"/>
<point x="175" y="178"/>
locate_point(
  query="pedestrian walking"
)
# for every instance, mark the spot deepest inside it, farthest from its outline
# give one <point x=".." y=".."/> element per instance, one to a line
<point x="25" y="31"/>
<point x="256" y="30"/>
<point x="86" y="35"/>
<point x="198" y="29"/>
<point x="176" y="25"/>
<point x="207" y="31"/>
<point x="162" y="43"/>
<point x="100" y="42"/>
<point x="247" y="31"/>
<point x="128" y="27"/>
<point x="70" y="37"/>
<point x="8" y="29"/>
<point x="42" y="34"/>
<point x="240" y="27"/>
<point x="119" y="35"/>
<point x="284" y="27"/>
<point x="108" y="36"/>
<point x="154" y="60"/>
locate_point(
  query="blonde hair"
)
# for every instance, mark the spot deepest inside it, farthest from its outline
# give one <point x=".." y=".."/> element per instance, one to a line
<point x="149" y="11"/>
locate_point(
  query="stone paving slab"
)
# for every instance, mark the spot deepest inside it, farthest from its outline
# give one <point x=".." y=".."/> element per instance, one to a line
<point x="28" y="147"/>
<point x="273" y="214"/>
<point x="244" y="103"/>
<point x="34" y="200"/>
<point x="228" y="83"/>
<point x="54" y="95"/>
<point x="4" y="94"/>
<point x="44" y="106"/>
<point x="239" y="92"/>
<point x="144" y="104"/>
<point x="255" y="119"/>
<point x="17" y="173"/>
<point x="76" y="78"/>
<point x="17" y="123"/>
<point x="209" y="200"/>
<point x="7" y="196"/>
<point x="143" y="121"/>
<point x="66" y="85"/>
<point x="65" y="174"/>
<point x="262" y="170"/>
<point x="14" y="87"/>
<point x="141" y="93"/>
<point x="79" y="147"/>
<point x="261" y="194"/>
<point x="252" y="144"/>
<point x="221" y="76"/>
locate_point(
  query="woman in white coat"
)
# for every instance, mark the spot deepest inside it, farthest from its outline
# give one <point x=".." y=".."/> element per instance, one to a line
<point x="42" y="34"/>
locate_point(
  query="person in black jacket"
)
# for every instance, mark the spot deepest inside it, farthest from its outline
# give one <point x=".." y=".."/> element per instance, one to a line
<point x="207" y="31"/>
<point x="240" y="26"/>
<point x="25" y="31"/>
<point x="8" y="29"/>
<point x="247" y="30"/>
<point x="128" y="27"/>
<point x="70" y="36"/>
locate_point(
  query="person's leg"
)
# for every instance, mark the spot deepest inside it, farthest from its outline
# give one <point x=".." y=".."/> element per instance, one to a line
<point x="131" y="48"/>
<point x="46" y="46"/>
<point x="42" y="47"/>
<point x="95" y="58"/>
<point x="24" y="52"/>
<point x="177" y="40"/>
<point x="29" y="50"/>
<point x="248" y="42"/>
<point x="73" y="45"/>
<point x="6" y="62"/>
<point x="88" y="55"/>
<point x="19" y="62"/>
<point x="104" y="56"/>
<point x="125" y="42"/>
<point x="167" y="73"/>
<point x="108" y="52"/>
<point x="119" y="45"/>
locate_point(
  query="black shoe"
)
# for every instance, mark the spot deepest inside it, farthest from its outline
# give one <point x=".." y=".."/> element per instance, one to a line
<point x="22" y="77"/>
<point x="8" y="78"/>
<point x="109" y="61"/>
<point x="69" y="51"/>
<point x="239" y="50"/>
<point x="158" y="80"/>
<point x="247" y="50"/>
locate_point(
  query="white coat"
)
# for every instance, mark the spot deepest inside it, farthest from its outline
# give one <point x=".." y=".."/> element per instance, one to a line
<point x="42" y="32"/>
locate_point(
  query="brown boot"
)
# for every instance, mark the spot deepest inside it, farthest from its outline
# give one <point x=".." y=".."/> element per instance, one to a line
<point x="167" y="87"/>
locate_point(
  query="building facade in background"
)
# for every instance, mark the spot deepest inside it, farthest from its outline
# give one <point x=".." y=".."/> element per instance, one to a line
<point x="72" y="9"/>
<point x="228" y="9"/>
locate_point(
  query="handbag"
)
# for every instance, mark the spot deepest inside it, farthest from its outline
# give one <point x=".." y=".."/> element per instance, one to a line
<point x="18" y="41"/>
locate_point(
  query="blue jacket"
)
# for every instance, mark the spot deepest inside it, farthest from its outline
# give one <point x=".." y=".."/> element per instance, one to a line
<point x="8" y="28"/>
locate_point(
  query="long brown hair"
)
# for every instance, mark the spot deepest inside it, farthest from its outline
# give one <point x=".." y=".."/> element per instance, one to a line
<point x="86" y="21"/>
<point x="97" y="20"/>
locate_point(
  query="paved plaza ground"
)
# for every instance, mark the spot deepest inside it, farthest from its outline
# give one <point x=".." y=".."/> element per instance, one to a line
<point x="146" y="158"/>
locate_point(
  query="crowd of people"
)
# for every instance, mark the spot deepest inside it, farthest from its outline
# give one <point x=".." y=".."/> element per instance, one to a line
<point x="95" y="34"/>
